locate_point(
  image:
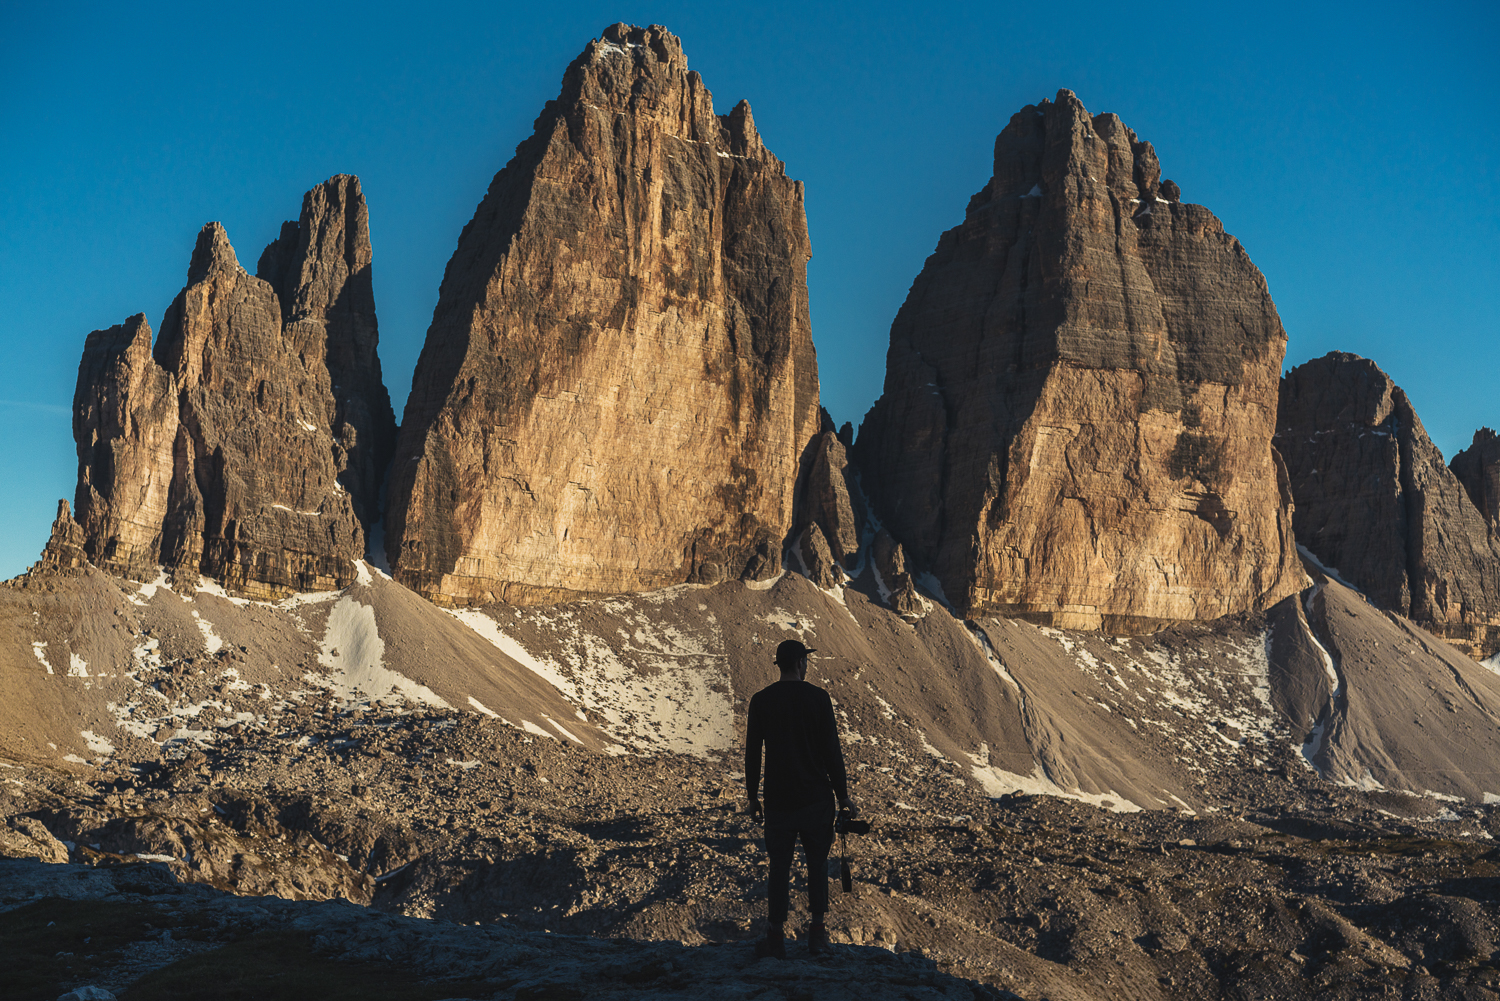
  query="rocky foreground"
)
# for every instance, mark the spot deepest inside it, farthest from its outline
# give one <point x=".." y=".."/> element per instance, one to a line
<point x="545" y="802"/>
<point x="536" y="869"/>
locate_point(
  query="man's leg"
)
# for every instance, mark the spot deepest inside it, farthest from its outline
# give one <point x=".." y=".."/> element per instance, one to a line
<point x="817" y="841"/>
<point x="781" y="842"/>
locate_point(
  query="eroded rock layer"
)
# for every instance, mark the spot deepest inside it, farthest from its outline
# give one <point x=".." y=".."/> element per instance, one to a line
<point x="226" y="449"/>
<point x="1080" y="394"/>
<point x="619" y="379"/>
<point x="1377" y="505"/>
<point x="320" y="269"/>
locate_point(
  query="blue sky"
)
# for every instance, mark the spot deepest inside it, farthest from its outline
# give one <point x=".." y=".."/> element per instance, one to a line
<point x="1352" y="149"/>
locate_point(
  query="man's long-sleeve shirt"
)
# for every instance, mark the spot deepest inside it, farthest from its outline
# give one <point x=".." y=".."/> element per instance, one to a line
<point x="804" y="762"/>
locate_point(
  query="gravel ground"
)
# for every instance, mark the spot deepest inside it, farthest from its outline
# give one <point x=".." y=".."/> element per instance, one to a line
<point x="1301" y="890"/>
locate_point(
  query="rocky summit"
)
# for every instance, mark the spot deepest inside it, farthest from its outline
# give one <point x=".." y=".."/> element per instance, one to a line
<point x="249" y="442"/>
<point x="1378" y="507"/>
<point x="1079" y="395"/>
<point x="619" y="380"/>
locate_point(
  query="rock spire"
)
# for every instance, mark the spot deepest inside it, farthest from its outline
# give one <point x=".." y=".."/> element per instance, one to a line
<point x="247" y="443"/>
<point x="1377" y="505"/>
<point x="619" y="380"/>
<point x="1080" y="388"/>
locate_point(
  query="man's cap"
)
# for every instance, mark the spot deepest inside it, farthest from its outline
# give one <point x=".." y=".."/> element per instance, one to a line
<point x="791" y="651"/>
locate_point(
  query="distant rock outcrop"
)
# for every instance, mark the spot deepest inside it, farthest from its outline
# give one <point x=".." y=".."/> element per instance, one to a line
<point x="1377" y="505"/>
<point x="619" y="380"/>
<point x="1478" y="469"/>
<point x="226" y="449"/>
<point x="1077" y="416"/>
<point x="832" y="499"/>
<point x="64" y="550"/>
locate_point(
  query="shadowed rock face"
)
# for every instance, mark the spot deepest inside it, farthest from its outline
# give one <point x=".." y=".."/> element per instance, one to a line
<point x="1478" y="469"/>
<point x="619" y="379"/>
<point x="225" y="449"/>
<point x="320" y="269"/>
<point x="1376" y="503"/>
<point x="1080" y="394"/>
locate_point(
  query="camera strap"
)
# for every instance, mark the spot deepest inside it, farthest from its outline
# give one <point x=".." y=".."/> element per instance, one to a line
<point x="846" y="875"/>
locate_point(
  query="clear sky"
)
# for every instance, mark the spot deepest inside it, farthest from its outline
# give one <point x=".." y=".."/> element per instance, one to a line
<point x="1353" y="149"/>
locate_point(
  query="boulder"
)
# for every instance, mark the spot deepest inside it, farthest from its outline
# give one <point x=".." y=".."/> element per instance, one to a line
<point x="89" y="993"/>
<point x="1378" y="507"/>
<point x="27" y="837"/>
<point x="1080" y="387"/>
<point x="619" y="380"/>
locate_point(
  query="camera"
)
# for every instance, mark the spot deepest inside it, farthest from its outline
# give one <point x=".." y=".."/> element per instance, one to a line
<point x="846" y="824"/>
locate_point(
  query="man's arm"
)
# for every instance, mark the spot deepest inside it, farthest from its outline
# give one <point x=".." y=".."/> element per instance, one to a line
<point x="833" y="756"/>
<point x="754" y="737"/>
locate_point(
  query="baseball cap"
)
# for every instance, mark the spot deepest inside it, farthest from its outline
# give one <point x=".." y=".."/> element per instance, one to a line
<point x="790" y="651"/>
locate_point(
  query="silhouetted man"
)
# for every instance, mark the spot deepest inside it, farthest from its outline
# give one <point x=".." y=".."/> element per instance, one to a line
<point x="804" y="772"/>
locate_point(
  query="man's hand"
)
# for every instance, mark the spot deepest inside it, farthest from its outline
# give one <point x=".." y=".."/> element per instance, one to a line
<point x="847" y="805"/>
<point x="753" y="809"/>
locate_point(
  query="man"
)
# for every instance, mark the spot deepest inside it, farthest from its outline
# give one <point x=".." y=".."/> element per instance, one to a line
<point x="804" y="772"/>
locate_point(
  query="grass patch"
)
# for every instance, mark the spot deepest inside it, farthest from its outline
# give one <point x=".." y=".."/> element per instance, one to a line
<point x="53" y="944"/>
<point x="282" y="966"/>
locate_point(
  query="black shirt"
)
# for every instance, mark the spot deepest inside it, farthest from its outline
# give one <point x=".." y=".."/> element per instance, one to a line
<point x="794" y="719"/>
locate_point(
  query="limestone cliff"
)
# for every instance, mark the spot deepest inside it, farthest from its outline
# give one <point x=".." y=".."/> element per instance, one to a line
<point x="619" y="378"/>
<point x="225" y="449"/>
<point x="320" y="268"/>
<point x="1080" y="394"/>
<point x="1377" y="505"/>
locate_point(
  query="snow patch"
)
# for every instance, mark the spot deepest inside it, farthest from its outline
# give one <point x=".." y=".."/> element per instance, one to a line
<point x="96" y="743"/>
<point x="308" y="598"/>
<point x="354" y="653"/>
<point x="934" y="586"/>
<point x="77" y="666"/>
<point x="1327" y="571"/>
<point x="211" y="640"/>
<point x="997" y="782"/>
<point x="38" y="648"/>
<point x="207" y="585"/>
<point x="789" y="622"/>
<point x="480" y="707"/>
<point x="145" y="592"/>
<point x="657" y="687"/>
<point x="561" y="729"/>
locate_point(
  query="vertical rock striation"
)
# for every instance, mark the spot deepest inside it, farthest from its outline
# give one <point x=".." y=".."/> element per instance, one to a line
<point x="1377" y="505"/>
<point x="619" y="379"/>
<point x="222" y="449"/>
<point x="1080" y="394"/>
<point x="320" y="269"/>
